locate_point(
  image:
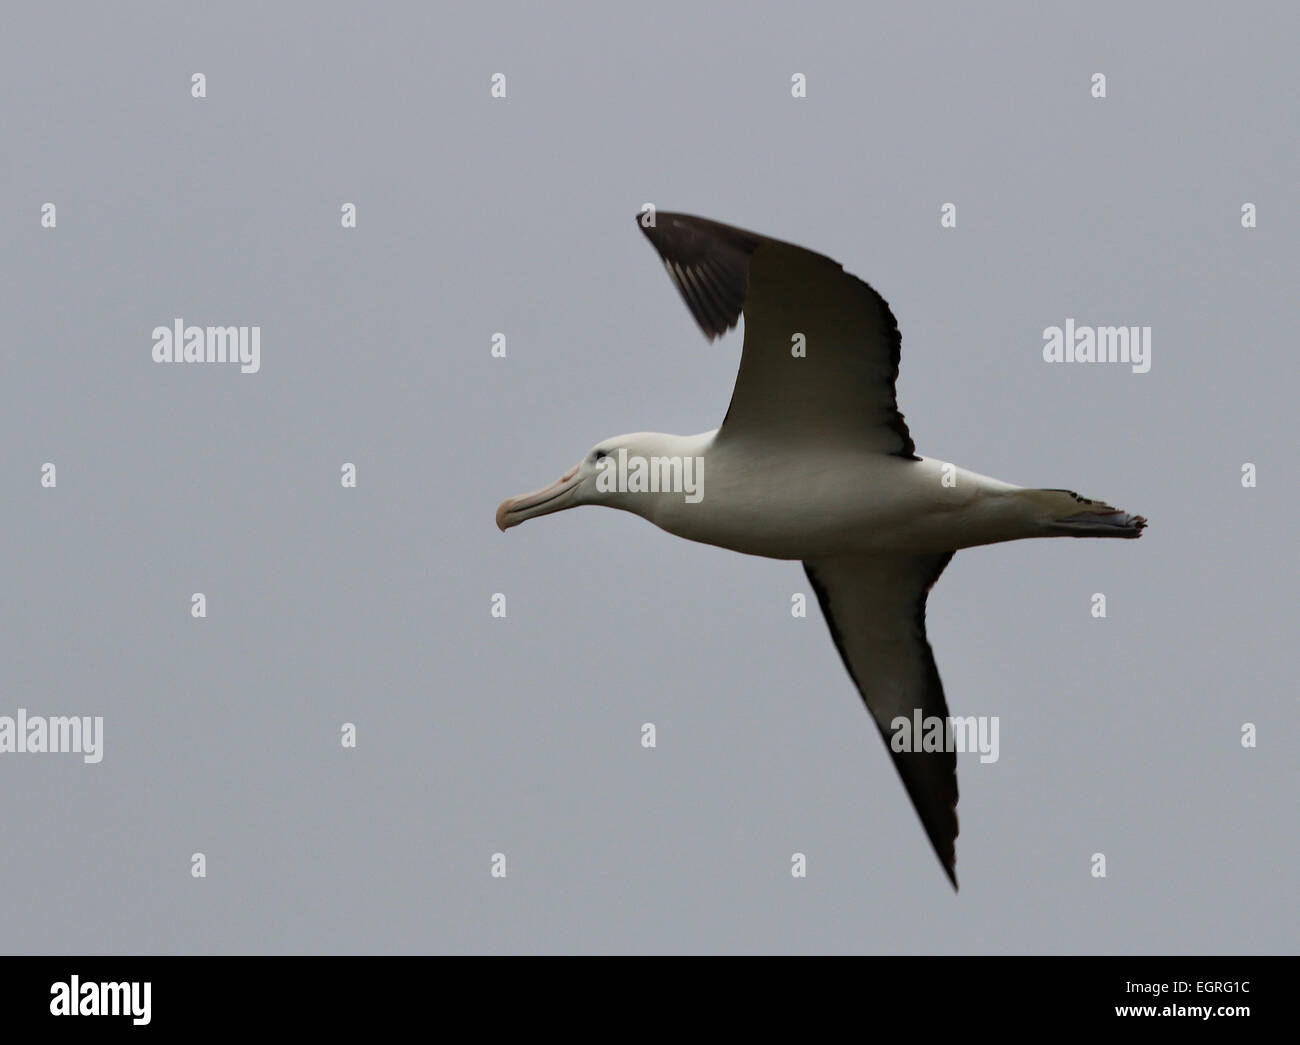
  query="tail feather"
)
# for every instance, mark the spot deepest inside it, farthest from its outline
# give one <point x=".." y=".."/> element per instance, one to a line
<point x="1069" y="515"/>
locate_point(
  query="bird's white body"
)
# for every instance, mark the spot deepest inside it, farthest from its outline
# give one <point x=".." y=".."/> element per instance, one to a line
<point x="783" y="502"/>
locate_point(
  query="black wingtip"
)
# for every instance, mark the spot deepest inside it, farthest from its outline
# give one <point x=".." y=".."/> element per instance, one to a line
<point x="707" y="261"/>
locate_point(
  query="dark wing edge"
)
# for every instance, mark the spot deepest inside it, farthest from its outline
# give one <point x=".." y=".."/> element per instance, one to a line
<point x="708" y="263"/>
<point x="895" y="422"/>
<point x="930" y="778"/>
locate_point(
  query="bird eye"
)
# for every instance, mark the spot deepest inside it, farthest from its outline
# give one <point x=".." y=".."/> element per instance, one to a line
<point x="600" y="455"/>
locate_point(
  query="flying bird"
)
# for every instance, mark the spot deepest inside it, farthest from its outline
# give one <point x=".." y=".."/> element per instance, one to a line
<point x="813" y="462"/>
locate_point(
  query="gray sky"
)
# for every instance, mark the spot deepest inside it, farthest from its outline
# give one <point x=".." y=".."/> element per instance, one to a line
<point x="521" y="736"/>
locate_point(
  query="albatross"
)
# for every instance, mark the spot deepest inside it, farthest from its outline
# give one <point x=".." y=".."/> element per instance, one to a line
<point x="813" y="462"/>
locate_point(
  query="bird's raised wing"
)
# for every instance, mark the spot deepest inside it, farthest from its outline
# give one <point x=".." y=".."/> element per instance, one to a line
<point x="821" y="347"/>
<point x="875" y="608"/>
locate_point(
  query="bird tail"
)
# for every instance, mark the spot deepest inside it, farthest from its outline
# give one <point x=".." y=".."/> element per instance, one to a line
<point x="1066" y="514"/>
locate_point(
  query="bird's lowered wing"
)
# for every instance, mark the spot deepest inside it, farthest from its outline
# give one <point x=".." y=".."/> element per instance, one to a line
<point x="875" y="608"/>
<point x="821" y="347"/>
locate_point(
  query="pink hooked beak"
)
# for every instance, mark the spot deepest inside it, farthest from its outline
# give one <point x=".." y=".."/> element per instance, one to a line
<point x="553" y="498"/>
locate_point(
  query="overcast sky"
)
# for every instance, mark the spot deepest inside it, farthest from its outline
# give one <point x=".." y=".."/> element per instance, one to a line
<point x="328" y="605"/>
